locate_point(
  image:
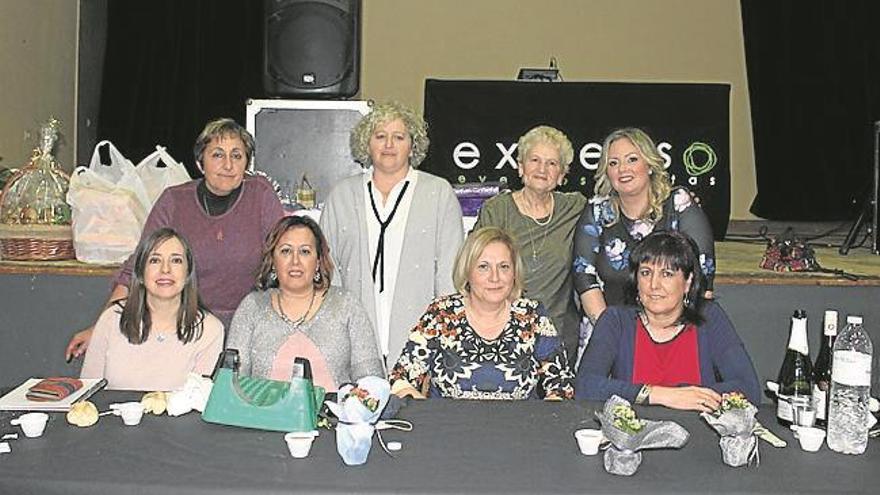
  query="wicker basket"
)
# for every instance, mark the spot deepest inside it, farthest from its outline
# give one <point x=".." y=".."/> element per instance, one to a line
<point x="36" y="243"/>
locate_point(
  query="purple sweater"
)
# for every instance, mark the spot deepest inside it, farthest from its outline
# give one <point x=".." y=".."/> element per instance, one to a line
<point x="607" y="365"/>
<point x="226" y="248"/>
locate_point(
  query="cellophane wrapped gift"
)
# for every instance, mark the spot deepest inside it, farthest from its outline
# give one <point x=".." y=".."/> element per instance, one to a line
<point x="735" y="421"/>
<point x="629" y="435"/>
<point x="34" y="214"/>
<point x="358" y="408"/>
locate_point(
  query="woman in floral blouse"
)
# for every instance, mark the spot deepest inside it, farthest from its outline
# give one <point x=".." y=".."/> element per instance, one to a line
<point x="484" y="342"/>
<point x="633" y="197"/>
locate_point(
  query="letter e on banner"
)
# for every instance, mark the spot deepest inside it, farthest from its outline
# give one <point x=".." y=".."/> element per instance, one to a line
<point x="589" y="155"/>
<point x="466" y="155"/>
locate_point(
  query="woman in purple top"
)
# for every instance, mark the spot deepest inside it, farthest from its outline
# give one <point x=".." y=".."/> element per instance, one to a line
<point x="224" y="216"/>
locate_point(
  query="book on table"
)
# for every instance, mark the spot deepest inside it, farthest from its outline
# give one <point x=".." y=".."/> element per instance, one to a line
<point x="17" y="399"/>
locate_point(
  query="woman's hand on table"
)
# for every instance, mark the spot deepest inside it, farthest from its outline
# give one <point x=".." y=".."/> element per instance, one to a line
<point x="407" y="390"/>
<point x="686" y="398"/>
<point x="78" y="344"/>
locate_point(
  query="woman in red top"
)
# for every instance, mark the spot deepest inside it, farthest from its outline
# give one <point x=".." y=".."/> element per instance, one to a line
<point x="674" y="348"/>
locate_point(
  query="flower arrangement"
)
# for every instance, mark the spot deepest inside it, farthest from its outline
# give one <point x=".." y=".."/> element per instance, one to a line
<point x="735" y="423"/>
<point x="625" y="419"/>
<point x="733" y="400"/>
<point x="629" y="435"/>
<point x="364" y="397"/>
<point x="358" y="407"/>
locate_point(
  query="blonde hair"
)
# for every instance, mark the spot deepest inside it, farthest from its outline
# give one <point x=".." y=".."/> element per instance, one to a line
<point x="659" y="186"/>
<point x="470" y="253"/>
<point x="382" y="113"/>
<point x="544" y="134"/>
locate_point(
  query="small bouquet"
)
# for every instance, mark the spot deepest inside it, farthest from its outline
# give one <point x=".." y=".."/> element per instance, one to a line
<point x="735" y="421"/>
<point x="629" y="435"/>
<point x="358" y="408"/>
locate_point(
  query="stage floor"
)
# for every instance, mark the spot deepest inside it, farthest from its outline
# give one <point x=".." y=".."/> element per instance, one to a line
<point x="740" y="253"/>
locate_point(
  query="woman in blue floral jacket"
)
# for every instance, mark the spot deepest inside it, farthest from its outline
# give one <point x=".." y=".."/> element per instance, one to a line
<point x="633" y="197"/>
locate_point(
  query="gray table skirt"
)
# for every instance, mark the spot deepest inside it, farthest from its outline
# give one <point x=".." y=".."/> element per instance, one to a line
<point x="455" y="447"/>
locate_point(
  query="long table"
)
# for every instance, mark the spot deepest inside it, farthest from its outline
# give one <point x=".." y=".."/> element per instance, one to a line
<point x="455" y="447"/>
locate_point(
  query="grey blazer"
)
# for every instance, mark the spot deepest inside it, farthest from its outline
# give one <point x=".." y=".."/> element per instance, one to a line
<point x="432" y="237"/>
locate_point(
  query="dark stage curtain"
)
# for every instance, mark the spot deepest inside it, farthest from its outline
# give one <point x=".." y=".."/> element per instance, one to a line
<point x="172" y="65"/>
<point x="814" y="82"/>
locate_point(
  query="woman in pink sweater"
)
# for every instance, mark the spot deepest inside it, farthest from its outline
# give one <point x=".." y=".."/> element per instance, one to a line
<point x="155" y="337"/>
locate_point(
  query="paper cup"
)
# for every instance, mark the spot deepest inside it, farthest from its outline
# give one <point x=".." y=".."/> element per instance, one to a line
<point x="32" y="424"/>
<point x="804" y="414"/>
<point x="810" y="438"/>
<point x="299" y="443"/>
<point x="588" y="440"/>
<point x="131" y="412"/>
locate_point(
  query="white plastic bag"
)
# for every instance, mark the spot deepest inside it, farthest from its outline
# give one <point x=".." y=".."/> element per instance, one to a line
<point x="109" y="207"/>
<point x="157" y="177"/>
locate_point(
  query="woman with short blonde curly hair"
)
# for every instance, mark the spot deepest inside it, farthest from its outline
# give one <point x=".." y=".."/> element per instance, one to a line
<point x="386" y="112"/>
<point x="634" y="197"/>
<point x="393" y="231"/>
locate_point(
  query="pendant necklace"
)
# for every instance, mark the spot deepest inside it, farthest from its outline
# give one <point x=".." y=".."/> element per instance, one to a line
<point x="545" y="224"/>
<point x="299" y="321"/>
<point x="204" y="197"/>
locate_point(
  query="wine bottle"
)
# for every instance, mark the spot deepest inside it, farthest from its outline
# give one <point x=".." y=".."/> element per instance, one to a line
<point x="850" y="386"/>
<point x="796" y="373"/>
<point x="822" y="368"/>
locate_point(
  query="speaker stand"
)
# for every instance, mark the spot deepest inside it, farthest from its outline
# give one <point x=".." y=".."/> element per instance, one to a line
<point x="868" y="212"/>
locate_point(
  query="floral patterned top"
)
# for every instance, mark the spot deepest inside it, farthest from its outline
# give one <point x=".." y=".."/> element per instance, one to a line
<point x="448" y="358"/>
<point x="601" y="252"/>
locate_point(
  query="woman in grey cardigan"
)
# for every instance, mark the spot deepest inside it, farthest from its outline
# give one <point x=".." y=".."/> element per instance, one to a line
<point x="393" y="231"/>
<point x="298" y="314"/>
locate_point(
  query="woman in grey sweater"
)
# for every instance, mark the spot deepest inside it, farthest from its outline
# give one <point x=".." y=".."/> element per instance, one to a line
<point x="298" y="314"/>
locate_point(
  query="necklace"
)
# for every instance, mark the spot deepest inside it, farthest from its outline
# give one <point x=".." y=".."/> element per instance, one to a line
<point x="545" y="224"/>
<point x="678" y="329"/>
<point x="299" y="321"/>
<point x="219" y="234"/>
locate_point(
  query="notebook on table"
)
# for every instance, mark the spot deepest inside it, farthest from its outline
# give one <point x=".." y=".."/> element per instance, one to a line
<point x="17" y="400"/>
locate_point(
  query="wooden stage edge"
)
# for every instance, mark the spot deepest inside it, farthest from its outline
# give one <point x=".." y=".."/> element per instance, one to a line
<point x="737" y="265"/>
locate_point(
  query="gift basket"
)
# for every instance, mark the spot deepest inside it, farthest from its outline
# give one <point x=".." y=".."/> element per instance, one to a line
<point x="34" y="214"/>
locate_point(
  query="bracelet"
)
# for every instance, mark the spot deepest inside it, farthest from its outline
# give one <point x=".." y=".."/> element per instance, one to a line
<point x="644" y="394"/>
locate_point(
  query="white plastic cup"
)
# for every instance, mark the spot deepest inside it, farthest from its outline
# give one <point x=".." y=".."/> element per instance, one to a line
<point x="588" y="440"/>
<point x="804" y="414"/>
<point x="131" y="412"/>
<point x="32" y="424"/>
<point x="299" y="443"/>
<point x="810" y="438"/>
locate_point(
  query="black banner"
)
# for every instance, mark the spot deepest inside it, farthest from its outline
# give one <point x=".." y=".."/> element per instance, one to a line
<point x="474" y="127"/>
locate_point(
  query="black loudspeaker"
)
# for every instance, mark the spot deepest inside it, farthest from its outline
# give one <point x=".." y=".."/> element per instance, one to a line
<point x="312" y="48"/>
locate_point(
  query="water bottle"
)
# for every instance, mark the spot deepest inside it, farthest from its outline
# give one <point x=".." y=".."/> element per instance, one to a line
<point x="850" y="387"/>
